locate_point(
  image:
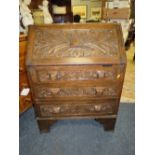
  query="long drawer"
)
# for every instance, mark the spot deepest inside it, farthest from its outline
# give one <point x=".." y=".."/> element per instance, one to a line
<point x="52" y="74"/>
<point x="106" y="107"/>
<point x="74" y="93"/>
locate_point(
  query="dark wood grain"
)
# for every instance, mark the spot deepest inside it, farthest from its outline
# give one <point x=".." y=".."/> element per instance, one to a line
<point x="76" y="71"/>
<point x="108" y="124"/>
<point x="44" y="125"/>
<point x="25" y="102"/>
<point x="119" y="13"/>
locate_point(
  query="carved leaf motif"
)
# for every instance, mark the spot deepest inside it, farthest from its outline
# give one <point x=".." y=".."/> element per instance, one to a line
<point x="49" y="110"/>
<point x="46" y="76"/>
<point x="88" y="91"/>
<point x="97" y="107"/>
<point x="56" y="109"/>
<point x="75" y="43"/>
<point x="99" y="90"/>
<point x="55" y="90"/>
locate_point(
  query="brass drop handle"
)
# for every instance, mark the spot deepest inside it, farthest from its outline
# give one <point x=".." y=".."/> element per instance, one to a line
<point x="55" y="90"/>
<point x="99" y="90"/>
<point x="101" y="74"/>
<point x="97" y="107"/>
<point x="54" y="75"/>
<point x="56" y="109"/>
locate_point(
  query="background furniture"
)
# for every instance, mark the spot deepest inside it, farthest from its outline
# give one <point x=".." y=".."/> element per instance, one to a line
<point x="131" y="34"/>
<point x="61" y="18"/>
<point x="24" y="100"/>
<point x="103" y="6"/>
<point x="57" y="18"/>
<point x="119" y="11"/>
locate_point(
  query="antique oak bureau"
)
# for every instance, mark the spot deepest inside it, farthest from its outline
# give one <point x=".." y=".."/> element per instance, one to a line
<point x="76" y="71"/>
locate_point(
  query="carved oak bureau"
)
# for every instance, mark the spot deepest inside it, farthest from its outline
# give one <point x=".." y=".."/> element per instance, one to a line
<point x="76" y="71"/>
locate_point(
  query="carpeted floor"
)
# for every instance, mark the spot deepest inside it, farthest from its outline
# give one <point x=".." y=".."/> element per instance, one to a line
<point x="79" y="137"/>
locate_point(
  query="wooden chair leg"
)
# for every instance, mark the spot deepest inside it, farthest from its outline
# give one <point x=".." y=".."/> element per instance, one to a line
<point x="44" y="125"/>
<point x="109" y="124"/>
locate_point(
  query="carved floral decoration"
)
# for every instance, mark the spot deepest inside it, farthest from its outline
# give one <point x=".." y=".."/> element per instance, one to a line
<point x="65" y="92"/>
<point x="49" y="110"/>
<point x="75" y="43"/>
<point x="47" y="76"/>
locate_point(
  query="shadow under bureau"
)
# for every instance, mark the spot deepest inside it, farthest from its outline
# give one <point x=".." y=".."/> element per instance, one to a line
<point x="76" y="71"/>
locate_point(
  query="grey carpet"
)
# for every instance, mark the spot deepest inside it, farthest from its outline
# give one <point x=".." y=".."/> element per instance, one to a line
<point x="79" y="137"/>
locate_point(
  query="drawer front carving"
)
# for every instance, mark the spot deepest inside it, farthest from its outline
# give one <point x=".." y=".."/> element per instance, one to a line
<point x="77" y="109"/>
<point x="42" y="92"/>
<point x="72" y="73"/>
<point x="45" y="76"/>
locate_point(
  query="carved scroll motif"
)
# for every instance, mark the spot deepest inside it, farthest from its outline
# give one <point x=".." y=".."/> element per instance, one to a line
<point x="49" y="110"/>
<point x="47" y="76"/>
<point x="88" y="91"/>
<point x="75" y="43"/>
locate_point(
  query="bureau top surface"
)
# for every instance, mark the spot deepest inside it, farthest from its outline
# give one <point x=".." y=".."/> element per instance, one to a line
<point x="66" y="44"/>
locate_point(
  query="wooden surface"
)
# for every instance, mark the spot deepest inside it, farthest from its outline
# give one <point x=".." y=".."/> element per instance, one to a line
<point x="77" y="75"/>
<point x="24" y="101"/>
<point x="120" y="13"/>
<point x="103" y="6"/>
<point x="66" y="50"/>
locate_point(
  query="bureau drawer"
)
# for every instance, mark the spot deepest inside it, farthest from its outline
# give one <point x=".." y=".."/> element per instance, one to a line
<point x="73" y="73"/>
<point x="89" y="92"/>
<point x="74" y="109"/>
